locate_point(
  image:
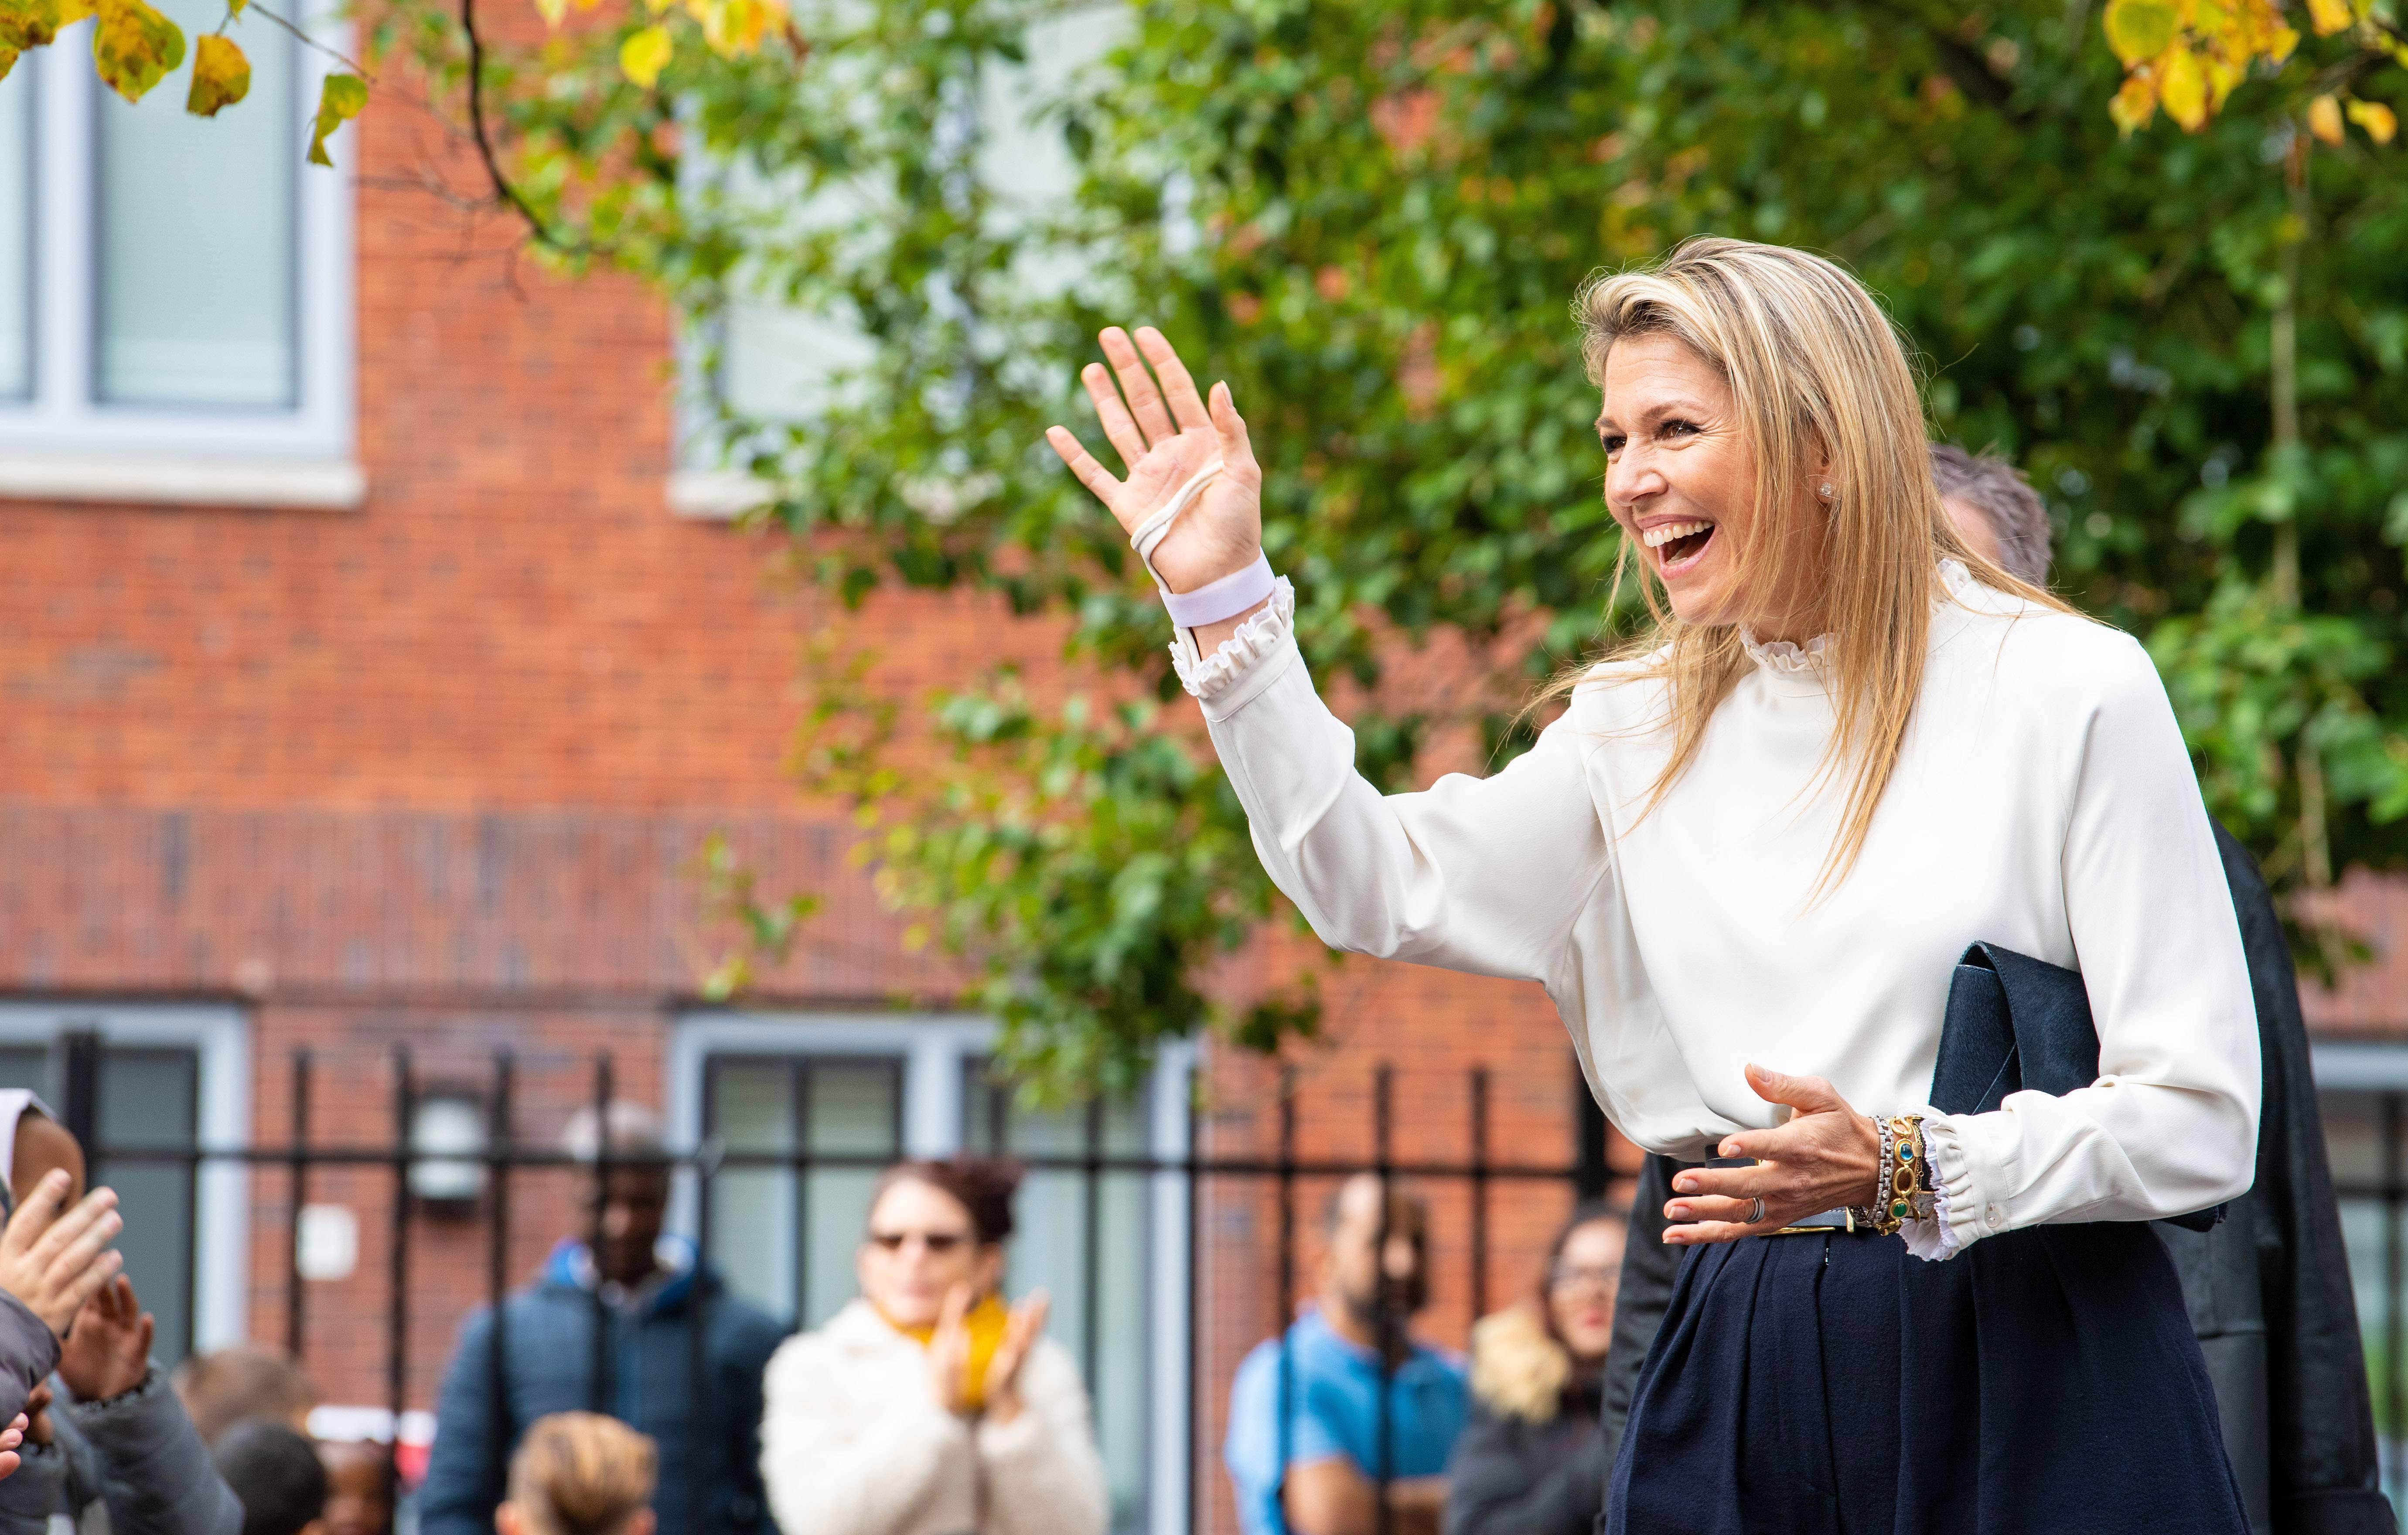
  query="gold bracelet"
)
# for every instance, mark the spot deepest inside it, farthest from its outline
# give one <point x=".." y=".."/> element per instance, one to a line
<point x="1909" y="1194"/>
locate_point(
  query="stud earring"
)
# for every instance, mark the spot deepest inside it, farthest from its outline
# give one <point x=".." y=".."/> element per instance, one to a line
<point x="1825" y="491"/>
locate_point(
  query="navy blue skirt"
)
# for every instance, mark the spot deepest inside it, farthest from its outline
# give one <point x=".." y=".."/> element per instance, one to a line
<point x="2043" y="1381"/>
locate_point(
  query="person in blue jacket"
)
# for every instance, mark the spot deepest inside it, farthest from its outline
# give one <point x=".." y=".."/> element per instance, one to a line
<point x="649" y="1295"/>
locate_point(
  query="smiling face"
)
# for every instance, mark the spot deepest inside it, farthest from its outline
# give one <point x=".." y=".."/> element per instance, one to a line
<point x="1681" y="478"/>
<point x="1580" y="1288"/>
<point x="920" y="1243"/>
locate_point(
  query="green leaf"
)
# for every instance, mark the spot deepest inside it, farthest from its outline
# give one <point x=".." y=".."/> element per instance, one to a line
<point x="2141" y="29"/>
<point x="220" y="76"/>
<point x="339" y="100"/>
<point x="134" y="47"/>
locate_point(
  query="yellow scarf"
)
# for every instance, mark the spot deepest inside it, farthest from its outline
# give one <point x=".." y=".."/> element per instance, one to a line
<point x="986" y="1322"/>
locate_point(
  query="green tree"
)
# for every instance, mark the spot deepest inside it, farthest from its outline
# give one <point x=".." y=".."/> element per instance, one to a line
<point x="1369" y="220"/>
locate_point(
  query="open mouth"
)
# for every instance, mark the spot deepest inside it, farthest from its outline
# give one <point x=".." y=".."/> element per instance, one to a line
<point x="1678" y="544"/>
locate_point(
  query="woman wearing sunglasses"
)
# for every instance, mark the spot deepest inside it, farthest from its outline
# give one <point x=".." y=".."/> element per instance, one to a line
<point x="929" y="1406"/>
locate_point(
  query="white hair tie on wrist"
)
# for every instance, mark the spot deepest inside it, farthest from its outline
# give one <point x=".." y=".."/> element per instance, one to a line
<point x="1225" y="598"/>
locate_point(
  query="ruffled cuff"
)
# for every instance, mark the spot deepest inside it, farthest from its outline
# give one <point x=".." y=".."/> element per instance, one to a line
<point x="1248" y="660"/>
<point x="1957" y="1205"/>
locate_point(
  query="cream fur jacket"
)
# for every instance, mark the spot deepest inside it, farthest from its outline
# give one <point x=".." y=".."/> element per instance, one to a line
<point x="852" y="1442"/>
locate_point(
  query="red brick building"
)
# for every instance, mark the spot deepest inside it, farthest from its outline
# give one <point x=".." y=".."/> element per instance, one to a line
<point x="369" y="692"/>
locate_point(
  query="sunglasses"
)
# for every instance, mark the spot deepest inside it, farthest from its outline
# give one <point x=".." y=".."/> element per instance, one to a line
<point x="938" y="1243"/>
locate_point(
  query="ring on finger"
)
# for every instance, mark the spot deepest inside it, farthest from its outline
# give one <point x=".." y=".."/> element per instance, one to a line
<point x="1755" y="1216"/>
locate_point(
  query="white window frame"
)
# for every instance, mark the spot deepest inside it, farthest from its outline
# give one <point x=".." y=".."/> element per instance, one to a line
<point x="933" y="1049"/>
<point x="65" y="445"/>
<point x="222" y="1191"/>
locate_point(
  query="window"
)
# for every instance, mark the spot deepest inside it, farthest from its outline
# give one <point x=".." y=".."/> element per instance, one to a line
<point x="192" y="338"/>
<point x="863" y="1091"/>
<point x="172" y="1080"/>
<point x="778" y="364"/>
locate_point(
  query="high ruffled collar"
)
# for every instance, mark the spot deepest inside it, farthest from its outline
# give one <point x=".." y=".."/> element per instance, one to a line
<point x="1789" y="658"/>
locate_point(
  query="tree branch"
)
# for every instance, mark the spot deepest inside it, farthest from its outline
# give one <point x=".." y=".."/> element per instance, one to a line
<point x="506" y="192"/>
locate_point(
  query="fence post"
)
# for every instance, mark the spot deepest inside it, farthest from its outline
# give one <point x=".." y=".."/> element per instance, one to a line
<point x="501" y="1153"/>
<point x="602" y="1388"/>
<point x="405" y="1108"/>
<point x="1199" y="1417"/>
<point x="2395" y="1273"/>
<point x="1391" y="1325"/>
<point x="1479" y="1192"/>
<point x="79" y="1087"/>
<point x="1092" y="1262"/>
<point x="296" y="1329"/>
<point x="1286" y="1266"/>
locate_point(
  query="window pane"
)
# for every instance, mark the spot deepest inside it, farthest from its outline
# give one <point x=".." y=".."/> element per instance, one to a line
<point x="17" y="232"/>
<point x="150" y="1101"/>
<point x="1049" y="1250"/>
<point x="197" y="247"/>
<point x="850" y="1107"/>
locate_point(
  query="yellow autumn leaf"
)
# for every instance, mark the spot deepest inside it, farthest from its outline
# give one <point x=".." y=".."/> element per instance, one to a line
<point x="2184" y="88"/>
<point x="2380" y="122"/>
<point x="553" y="11"/>
<point x="8" y="60"/>
<point x="2134" y="105"/>
<point x="134" y="47"/>
<point x="645" y="54"/>
<point x="2330" y="16"/>
<point x="221" y="77"/>
<point x="36" y="23"/>
<point x="2324" y="119"/>
<point x="339" y="100"/>
<point x="2141" y="29"/>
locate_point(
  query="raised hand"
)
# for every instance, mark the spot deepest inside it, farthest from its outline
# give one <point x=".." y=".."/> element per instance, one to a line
<point x="1020" y="1335"/>
<point x="1826" y="1156"/>
<point x="107" y="1353"/>
<point x="1164" y="435"/>
<point x="949" y="1353"/>
<point x="54" y="1261"/>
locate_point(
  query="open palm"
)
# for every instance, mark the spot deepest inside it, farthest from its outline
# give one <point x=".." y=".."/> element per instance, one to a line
<point x="1164" y="435"/>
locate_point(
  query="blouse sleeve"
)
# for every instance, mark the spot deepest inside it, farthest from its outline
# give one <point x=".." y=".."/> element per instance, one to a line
<point x="2170" y="1126"/>
<point x="1480" y="874"/>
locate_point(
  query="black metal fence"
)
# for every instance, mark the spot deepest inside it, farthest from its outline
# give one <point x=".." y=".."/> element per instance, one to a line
<point x="1280" y="1171"/>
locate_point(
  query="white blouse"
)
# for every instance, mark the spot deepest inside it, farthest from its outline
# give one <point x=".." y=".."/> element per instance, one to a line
<point x="2042" y="800"/>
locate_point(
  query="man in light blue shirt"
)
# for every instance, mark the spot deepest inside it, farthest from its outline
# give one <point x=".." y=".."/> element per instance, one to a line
<point x="1320" y="1472"/>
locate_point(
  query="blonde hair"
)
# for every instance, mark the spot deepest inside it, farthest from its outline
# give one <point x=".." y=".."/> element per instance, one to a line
<point x="1816" y="372"/>
<point x="581" y="1473"/>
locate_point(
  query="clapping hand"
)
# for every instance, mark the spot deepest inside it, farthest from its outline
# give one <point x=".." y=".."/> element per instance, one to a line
<point x="1020" y="1335"/>
<point x="11" y="1437"/>
<point x="949" y="1356"/>
<point x="1164" y="435"/>
<point x="54" y="1261"/>
<point x="108" y="1352"/>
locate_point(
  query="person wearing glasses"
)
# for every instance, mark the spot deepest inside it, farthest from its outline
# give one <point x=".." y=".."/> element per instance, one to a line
<point x="1532" y="1462"/>
<point x="930" y="1406"/>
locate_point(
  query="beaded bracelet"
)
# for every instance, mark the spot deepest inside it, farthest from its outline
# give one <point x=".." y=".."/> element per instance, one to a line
<point x="1876" y="1215"/>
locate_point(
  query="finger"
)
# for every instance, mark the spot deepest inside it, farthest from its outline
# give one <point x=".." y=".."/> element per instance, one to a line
<point x="1712" y="1209"/>
<point x="71" y="1227"/>
<point x="149" y="1330"/>
<point x="75" y="1288"/>
<point x="37" y="1214"/>
<point x="956" y="1307"/>
<point x="77" y="1252"/>
<point x="1091" y="474"/>
<point x="1700" y="1233"/>
<point x="1735" y="1182"/>
<point x="1144" y="398"/>
<point x="1186" y="406"/>
<point x="10" y="1461"/>
<point x="1236" y="449"/>
<point x="1120" y="428"/>
<point x="1808" y="1094"/>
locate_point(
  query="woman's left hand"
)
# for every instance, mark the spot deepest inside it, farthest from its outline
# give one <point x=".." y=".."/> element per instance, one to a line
<point x="1826" y="1156"/>
<point x="1020" y="1335"/>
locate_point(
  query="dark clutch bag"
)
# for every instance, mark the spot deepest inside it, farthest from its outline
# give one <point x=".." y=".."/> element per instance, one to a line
<point x="2017" y="1023"/>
